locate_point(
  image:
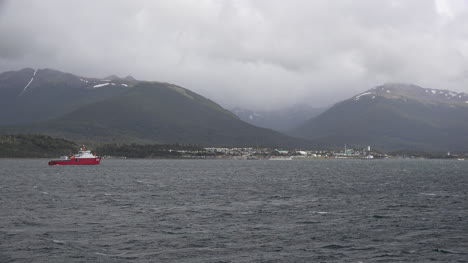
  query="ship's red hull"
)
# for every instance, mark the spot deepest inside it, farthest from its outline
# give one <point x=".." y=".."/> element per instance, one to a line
<point x="77" y="161"/>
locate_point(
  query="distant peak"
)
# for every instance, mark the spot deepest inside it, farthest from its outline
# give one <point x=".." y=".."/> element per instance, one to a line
<point x="395" y="87"/>
<point x="129" y="77"/>
<point x="52" y="70"/>
<point x="112" y="77"/>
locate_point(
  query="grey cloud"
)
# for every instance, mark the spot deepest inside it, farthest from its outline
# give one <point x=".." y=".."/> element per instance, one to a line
<point x="257" y="54"/>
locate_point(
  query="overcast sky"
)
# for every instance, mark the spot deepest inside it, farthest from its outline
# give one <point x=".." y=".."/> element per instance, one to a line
<point x="259" y="54"/>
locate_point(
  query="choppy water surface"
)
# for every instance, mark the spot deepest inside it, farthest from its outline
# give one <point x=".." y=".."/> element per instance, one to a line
<point x="234" y="211"/>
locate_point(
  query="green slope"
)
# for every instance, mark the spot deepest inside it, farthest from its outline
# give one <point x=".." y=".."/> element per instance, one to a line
<point x="153" y="112"/>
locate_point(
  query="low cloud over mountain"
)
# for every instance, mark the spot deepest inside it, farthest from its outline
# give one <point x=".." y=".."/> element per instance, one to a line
<point x="259" y="55"/>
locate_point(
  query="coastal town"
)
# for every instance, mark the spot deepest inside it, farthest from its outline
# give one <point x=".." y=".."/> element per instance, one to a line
<point x="250" y="153"/>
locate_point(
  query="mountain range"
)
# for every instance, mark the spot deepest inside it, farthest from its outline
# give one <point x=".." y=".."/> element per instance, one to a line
<point x="121" y="110"/>
<point x="125" y="110"/>
<point x="282" y="120"/>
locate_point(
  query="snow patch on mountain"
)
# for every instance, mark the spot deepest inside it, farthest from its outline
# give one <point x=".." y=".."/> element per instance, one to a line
<point x="29" y="83"/>
<point x="255" y="115"/>
<point x="101" y="85"/>
<point x="358" y="96"/>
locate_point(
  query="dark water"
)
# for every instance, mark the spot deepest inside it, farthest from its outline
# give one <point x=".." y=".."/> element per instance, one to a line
<point x="234" y="211"/>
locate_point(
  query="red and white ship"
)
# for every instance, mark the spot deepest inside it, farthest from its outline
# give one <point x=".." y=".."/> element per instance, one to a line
<point x="83" y="157"/>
